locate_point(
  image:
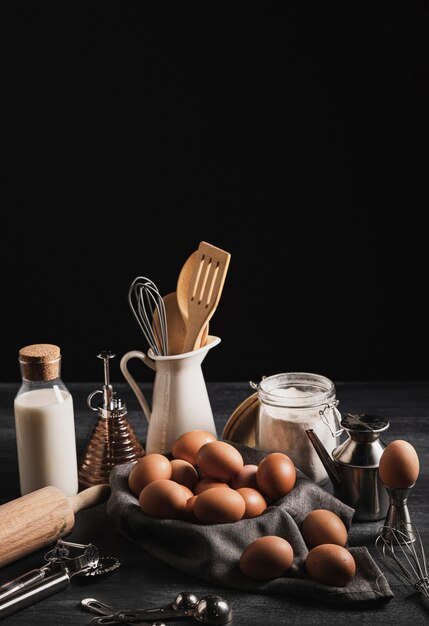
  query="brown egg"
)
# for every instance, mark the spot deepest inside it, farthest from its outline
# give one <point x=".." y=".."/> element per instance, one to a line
<point x="330" y="564"/>
<point x="163" y="498"/>
<point x="187" y="445"/>
<point x="219" y="506"/>
<point x="276" y="475"/>
<point x="255" y="502"/>
<point x="321" y="526"/>
<point x="187" y="491"/>
<point x="184" y="473"/>
<point x="266" y="558"/>
<point x="399" y="465"/>
<point x="147" y="469"/>
<point x="246" y="477"/>
<point x="188" y="514"/>
<point x="208" y="483"/>
<point x="219" y="459"/>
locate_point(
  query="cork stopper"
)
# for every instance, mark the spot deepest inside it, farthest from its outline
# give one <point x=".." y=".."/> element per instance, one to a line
<point x="40" y="361"/>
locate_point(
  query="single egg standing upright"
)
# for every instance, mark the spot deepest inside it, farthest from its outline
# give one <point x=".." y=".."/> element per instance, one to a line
<point x="399" y="465"/>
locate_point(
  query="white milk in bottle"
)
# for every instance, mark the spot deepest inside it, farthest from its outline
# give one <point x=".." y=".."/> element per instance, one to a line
<point x="44" y="422"/>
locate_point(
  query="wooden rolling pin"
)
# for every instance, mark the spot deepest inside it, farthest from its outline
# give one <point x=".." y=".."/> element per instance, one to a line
<point x="40" y="518"/>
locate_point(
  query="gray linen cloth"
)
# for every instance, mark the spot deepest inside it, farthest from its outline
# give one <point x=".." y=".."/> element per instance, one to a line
<point x="212" y="552"/>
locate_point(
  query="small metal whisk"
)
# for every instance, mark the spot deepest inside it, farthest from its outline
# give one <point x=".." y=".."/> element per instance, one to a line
<point x="402" y="546"/>
<point x="144" y="299"/>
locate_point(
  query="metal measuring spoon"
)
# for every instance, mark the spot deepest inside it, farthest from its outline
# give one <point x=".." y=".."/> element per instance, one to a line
<point x="183" y="601"/>
<point x="95" y="606"/>
<point x="211" y="610"/>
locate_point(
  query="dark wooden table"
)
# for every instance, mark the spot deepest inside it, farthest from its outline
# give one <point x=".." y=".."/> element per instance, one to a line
<point x="144" y="581"/>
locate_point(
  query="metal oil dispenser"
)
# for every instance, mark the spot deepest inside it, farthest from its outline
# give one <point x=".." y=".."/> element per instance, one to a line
<point x="113" y="441"/>
<point x="353" y="467"/>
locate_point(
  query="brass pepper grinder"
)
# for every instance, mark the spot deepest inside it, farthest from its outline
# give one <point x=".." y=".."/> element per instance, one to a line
<point x="113" y="441"/>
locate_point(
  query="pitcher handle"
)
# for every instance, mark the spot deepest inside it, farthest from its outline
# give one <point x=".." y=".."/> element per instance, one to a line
<point x="136" y="354"/>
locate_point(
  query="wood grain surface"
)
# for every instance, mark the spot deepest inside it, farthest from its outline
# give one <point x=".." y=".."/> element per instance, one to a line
<point x="142" y="581"/>
<point x="37" y="519"/>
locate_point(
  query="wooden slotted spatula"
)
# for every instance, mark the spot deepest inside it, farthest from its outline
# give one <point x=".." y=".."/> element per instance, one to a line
<point x="198" y="299"/>
<point x="176" y="326"/>
<point x="183" y="283"/>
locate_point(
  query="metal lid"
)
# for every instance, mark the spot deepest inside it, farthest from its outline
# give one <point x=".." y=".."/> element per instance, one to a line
<point x="300" y="390"/>
<point x="364" y="422"/>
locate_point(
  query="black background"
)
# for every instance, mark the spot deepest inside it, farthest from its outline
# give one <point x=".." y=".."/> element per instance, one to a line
<point x="294" y="136"/>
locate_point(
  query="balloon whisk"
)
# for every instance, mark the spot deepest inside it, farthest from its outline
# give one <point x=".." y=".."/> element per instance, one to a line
<point x="401" y="546"/>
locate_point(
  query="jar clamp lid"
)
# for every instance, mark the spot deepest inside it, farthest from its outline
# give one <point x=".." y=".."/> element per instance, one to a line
<point x="295" y="390"/>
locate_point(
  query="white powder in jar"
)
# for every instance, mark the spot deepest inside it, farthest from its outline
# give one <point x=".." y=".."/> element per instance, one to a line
<point x="282" y="429"/>
<point x="289" y="392"/>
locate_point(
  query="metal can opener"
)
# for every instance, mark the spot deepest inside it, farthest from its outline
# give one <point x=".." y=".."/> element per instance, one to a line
<point x="64" y="561"/>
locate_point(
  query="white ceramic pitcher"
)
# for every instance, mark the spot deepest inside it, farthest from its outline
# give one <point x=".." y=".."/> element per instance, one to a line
<point x="180" y="400"/>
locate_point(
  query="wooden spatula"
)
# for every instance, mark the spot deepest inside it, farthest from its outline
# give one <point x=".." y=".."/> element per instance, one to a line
<point x="198" y="299"/>
<point x="176" y="326"/>
<point x="183" y="284"/>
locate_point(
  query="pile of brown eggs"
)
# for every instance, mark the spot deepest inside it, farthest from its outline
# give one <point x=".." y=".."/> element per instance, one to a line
<point x="208" y="483"/>
<point x="221" y="490"/>
<point x="328" y="561"/>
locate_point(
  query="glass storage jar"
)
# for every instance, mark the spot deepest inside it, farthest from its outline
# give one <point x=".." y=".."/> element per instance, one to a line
<point x="291" y="403"/>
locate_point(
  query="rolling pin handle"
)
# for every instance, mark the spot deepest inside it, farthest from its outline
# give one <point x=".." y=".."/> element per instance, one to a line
<point x="89" y="497"/>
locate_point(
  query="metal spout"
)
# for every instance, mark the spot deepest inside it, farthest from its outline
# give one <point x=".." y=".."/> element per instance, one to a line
<point x="328" y="463"/>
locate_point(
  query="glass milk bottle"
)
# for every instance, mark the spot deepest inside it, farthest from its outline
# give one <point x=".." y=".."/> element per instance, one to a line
<point x="44" y="422"/>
